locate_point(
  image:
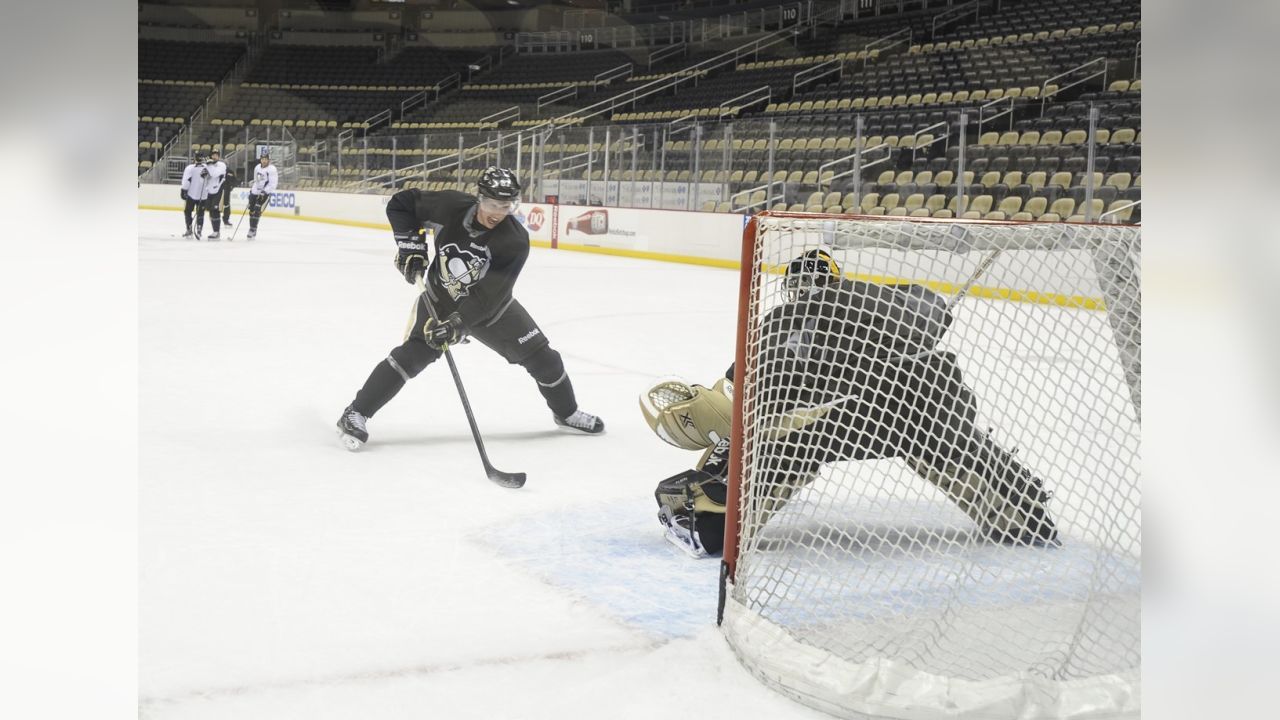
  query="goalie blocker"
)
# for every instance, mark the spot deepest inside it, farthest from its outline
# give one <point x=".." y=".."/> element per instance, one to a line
<point x="869" y="382"/>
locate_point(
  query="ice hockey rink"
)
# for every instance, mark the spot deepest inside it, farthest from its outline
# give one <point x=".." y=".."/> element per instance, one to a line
<point x="281" y="576"/>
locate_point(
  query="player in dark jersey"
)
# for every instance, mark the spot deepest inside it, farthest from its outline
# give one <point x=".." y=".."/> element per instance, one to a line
<point x="480" y="249"/>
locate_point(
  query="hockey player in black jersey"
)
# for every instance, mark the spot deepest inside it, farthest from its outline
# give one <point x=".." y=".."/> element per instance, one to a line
<point x="857" y="374"/>
<point x="480" y="249"/>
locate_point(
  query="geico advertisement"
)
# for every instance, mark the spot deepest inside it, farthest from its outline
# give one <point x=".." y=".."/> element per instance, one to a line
<point x="278" y="199"/>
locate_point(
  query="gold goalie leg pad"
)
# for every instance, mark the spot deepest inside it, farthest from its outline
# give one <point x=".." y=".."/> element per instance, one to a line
<point x="1004" y="512"/>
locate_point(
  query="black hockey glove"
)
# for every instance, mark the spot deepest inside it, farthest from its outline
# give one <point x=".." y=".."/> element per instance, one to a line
<point x="204" y="173"/>
<point x="183" y="194"/>
<point x="411" y="260"/>
<point x="440" y="334"/>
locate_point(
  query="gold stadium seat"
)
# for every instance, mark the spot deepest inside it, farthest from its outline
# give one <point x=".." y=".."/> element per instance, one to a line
<point x="1060" y="179"/>
<point x="1010" y="205"/>
<point x="1075" y="137"/>
<point x="1035" y="206"/>
<point x="1079" y="215"/>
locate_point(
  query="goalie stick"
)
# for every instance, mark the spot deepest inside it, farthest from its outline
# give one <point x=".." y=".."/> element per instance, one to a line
<point x="505" y="479"/>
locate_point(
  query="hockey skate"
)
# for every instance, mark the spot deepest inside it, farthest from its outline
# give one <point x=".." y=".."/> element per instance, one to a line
<point x="351" y="428"/>
<point x="582" y="422"/>
<point x="188" y="234"/>
<point x="214" y="236"/>
<point x="1026" y="492"/>
<point x="679" y="531"/>
<point x="252" y="234"/>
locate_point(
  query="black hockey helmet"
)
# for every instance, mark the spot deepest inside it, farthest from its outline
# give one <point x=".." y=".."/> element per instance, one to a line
<point x="499" y="184"/>
<point x="809" y="272"/>
<point x="198" y="156"/>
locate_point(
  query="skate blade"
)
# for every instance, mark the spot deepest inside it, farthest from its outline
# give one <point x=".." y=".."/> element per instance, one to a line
<point x="350" y="442"/>
<point x="576" y="430"/>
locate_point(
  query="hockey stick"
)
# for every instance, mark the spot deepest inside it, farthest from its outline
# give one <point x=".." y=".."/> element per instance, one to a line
<point x="977" y="273"/>
<point x="505" y="479"/>
<point x="243" y="212"/>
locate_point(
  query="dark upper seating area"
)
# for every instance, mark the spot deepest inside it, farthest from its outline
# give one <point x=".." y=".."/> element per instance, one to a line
<point x="358" y="65"/>
<point x="173" y="60"/>
<point x="554" y="69"/>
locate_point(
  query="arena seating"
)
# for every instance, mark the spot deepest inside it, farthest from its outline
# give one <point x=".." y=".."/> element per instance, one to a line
<point x="190" y="61"/>
<point x="1008" y="69"/>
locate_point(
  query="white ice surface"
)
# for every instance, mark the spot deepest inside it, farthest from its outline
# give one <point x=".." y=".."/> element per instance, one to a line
<point x="283" y="577"/>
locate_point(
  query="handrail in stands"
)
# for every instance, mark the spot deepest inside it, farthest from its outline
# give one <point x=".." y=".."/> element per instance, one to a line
<point x="767" y="188"/>
<point x="814" y="72"/>
<point x="511" y="113"/>
<point x="563" y="93"/>
<point x="608" y="76"/>
<point x="1045" y="94"/>
<point x="668" y="51"/>
<point x="947" y="17"/>
<point x="984" y="118"/>
<point x="881" y="44"/>
<point x="1115" y="211"/>
<point x="915" y="136"/>
<point x="376" y="120"/>
<point x="763" y="94"/>
<point x="824" y="184"/>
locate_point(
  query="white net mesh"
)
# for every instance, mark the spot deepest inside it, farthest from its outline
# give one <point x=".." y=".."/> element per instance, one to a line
<point x="939" y="499"/>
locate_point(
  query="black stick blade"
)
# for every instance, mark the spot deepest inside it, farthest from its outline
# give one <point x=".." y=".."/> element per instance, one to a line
<point x="507" y="480"/>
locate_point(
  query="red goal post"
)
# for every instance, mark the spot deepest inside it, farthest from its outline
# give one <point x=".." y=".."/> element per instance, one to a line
<point x="868" y="592"/>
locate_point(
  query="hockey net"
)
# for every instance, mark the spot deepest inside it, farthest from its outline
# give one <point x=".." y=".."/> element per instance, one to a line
<point x="886" y="583"/>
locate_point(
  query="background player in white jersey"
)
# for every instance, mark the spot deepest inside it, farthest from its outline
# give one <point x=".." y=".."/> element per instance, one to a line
<point x="213" y="194"/>
<point x="265" y="179"/>
<point x="198" y="181"/>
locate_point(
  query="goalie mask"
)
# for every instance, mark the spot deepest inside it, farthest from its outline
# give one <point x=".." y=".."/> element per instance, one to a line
<point x="809" y="273"/>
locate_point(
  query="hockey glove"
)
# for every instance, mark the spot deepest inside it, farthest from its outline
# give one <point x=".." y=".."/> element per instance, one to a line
<point x="440" y="334"/>
<point x="204" y="173"/>
<point x="411" y="259"/>
<point x="183" y="194"/>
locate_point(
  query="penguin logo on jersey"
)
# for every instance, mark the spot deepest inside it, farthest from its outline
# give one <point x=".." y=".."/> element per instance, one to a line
<point x="462" y="267"/>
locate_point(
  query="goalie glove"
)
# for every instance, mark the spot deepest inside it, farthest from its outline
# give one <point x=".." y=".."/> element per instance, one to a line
<point x="440" y="334"/>
<point x="411" y="255"/>
<point x="688" y="416"/>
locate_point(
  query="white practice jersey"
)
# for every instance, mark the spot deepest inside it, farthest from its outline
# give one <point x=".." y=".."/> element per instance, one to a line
<point x="217" y="174"/>
<point x="264" y="179"/>
<point x="199" y="181"/>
